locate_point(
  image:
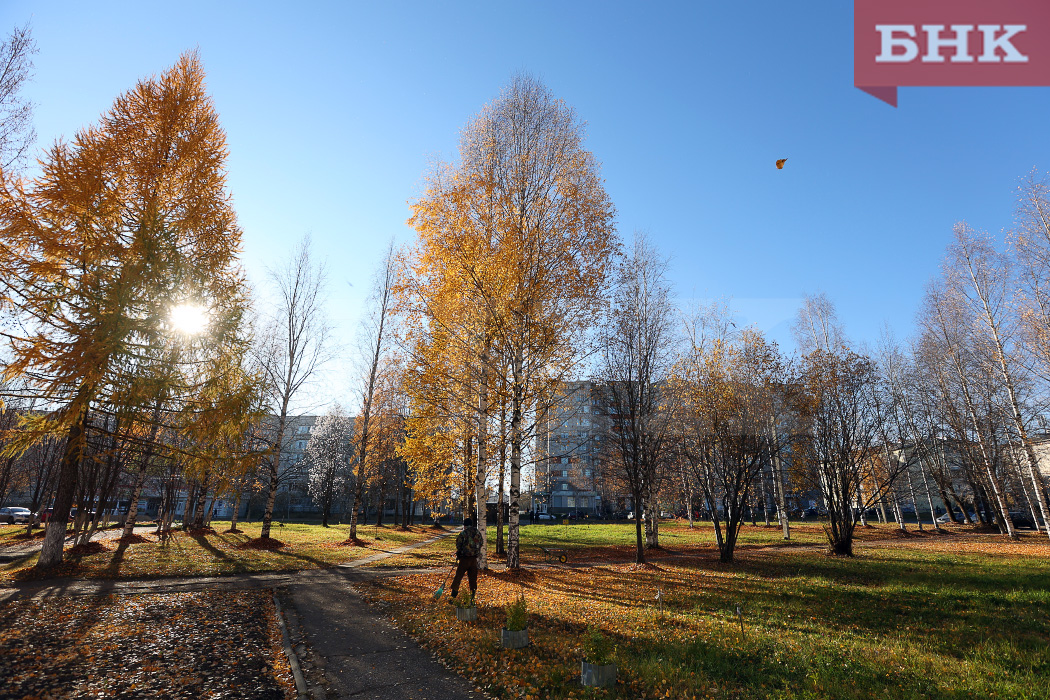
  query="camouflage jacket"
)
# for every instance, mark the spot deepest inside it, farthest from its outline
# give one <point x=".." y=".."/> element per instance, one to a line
<point x="469" y="543"/>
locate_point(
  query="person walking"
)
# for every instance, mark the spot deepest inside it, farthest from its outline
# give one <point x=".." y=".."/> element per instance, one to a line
<point x="468" y="546"/>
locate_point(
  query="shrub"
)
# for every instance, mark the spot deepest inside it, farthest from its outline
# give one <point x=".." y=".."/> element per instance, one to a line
<point x="517" y="615"/>
<point x="465" y="599"/>
<point x="597" y="649"/>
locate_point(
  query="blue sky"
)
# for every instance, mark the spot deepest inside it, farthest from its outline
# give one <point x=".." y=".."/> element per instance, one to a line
<point x="334" y="110"/>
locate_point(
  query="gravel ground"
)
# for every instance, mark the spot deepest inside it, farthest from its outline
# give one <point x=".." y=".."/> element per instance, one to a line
<point x="210" y="644"/>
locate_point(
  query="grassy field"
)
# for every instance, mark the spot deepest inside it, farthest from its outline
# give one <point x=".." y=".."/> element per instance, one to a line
<point x="957" y="615"/>
<point x="218" y="552"/>
<point x="616" y="542"/>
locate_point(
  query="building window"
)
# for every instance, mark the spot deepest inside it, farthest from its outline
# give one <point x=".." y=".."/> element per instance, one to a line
<point x="586" y="472"/>
<point x="303" y="429"/>
<point x="564" y="472"/>
<point x="564" y="487"/>
<point x="572" y="502"/>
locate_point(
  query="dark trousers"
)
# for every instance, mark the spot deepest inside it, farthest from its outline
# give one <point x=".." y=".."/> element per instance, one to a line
<point x="468" y="566"/>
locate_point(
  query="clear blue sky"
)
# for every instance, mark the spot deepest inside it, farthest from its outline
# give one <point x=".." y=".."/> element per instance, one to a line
<point x="333" y="111"/>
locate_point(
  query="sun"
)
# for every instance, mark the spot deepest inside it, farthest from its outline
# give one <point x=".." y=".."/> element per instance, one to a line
<point x="189" y="318"/>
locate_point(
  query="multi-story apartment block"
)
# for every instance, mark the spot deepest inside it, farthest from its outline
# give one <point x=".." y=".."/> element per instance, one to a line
<point x="571" y="440"/>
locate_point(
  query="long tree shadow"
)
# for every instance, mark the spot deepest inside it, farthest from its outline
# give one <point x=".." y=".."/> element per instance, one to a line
<point x="202" y="541"/>
<point x="112" y="569"/>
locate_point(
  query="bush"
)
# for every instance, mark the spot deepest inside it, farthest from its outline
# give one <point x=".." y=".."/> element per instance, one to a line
<point x="517" y="615"/>
<point x="597" y="649"/>
<point x="464" y="600"/>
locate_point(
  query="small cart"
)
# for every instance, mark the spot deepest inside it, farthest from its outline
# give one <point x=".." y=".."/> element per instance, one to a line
<point x="554" y="554"/>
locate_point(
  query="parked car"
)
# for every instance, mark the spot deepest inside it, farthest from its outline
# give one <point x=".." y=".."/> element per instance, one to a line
<point x="45" y="515"/>
<point x="1021" y="519"/>
<point x="545" y="516"/>
<point x="12" y="515"/>
<point x="946" y="518"/>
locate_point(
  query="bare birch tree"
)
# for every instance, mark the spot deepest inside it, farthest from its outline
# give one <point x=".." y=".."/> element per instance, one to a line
<point x="16" y="112"/>
<point x="947" y="328"/>
<point x="374" y="348"/>
<point x="981" y="276"/>
<point x="293" y="345"/>
<point x="638" y="344"/>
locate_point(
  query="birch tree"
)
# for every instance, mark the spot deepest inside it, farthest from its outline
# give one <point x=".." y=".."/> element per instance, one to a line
<point x="526" y="223"/>
<point x="947" y="326"/>
<point x="638" y="344"/>
<point x="292" y="347"/>
<point x="16" y="112"/>
<point x="375" y="348"/>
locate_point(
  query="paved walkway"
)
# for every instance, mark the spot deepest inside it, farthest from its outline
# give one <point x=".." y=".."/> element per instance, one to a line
<point x="346" y="649"/>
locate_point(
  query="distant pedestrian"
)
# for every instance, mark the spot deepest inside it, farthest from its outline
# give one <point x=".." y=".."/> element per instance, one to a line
<point x="468" y="547"/>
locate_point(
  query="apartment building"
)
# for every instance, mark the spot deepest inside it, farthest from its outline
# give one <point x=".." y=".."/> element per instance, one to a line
<point x="570" y="446"/>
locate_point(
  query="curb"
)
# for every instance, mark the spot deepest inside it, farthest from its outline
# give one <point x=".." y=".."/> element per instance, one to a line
<point x="293" y="660"/>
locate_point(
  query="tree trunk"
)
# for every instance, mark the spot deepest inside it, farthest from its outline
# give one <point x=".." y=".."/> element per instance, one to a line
<point x="133" y="507"/>
<point x="778" y="484"/>
<point x="929" y="497"/>
<point x="765" y="497"/>
<point x="914" y="500"/>
<point x="382" y="503"/>
<point x="897" y="512"/>
<point x="517" y="410"/>
<point x="55" y="533"/>
<point x="687" y="489"/>
<point x="501" y="550"/>
<point x="481" y="472"/>
<point x="398" y="495"/>
<point x="236" y="511"/>
<point x="639" y="557"/>
<point x="271" y="500"/>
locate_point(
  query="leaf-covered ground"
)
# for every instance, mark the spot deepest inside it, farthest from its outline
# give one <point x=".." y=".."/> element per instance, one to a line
<point x="212" y="644"/>
<point x="923" y="616"/>
<point x="216" y="551"/>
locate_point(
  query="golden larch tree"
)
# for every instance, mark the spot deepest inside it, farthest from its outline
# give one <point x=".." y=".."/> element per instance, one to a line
<point x="127" y="221"/>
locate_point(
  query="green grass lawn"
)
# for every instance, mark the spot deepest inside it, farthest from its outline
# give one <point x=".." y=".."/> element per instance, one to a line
<point x="927" y="616"/>
<point x="221" y="552"/>
<point x="616" y="541"/>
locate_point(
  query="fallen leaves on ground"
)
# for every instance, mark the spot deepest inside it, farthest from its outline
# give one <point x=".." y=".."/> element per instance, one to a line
<point x="214" y="644"/>
<point x="216" y="551"/>
<point x="267" y="543"/>
<point x="88" y="548"/>
<point x="920" y="617"/>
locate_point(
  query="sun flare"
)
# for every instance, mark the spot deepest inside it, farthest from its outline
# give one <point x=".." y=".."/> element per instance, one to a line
<point x="189" y="318"/>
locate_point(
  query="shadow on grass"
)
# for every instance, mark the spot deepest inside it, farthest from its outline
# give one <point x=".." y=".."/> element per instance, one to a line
<point x="112" y="569"/>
